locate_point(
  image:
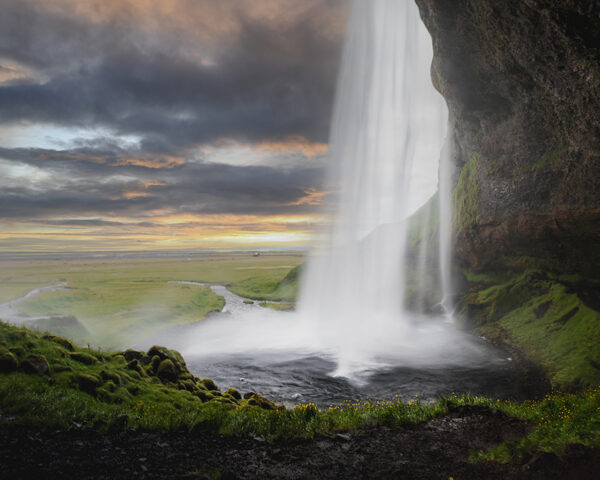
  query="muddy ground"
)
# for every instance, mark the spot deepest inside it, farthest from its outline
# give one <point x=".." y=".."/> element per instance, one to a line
<point x="435" y="449"/>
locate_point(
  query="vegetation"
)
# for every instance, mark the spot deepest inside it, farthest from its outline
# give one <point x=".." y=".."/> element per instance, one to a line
<point x="154" y="391"/>
<point x="265" y="288"/>
<point x="118" y="302"/>
<point x="465" y="195"/>
<point x="547" y="317"/>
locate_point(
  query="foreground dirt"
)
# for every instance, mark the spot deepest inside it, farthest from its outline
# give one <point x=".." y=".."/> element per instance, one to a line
<point x="431" y="450"/>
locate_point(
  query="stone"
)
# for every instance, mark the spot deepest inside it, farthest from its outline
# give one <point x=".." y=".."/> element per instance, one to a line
<point x="167" y="371"/>
<point x="36" y="364"/>
<point x="8" y="362"/>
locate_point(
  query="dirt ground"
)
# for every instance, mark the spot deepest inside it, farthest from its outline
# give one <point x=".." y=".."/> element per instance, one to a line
<point x="437" y="449"/>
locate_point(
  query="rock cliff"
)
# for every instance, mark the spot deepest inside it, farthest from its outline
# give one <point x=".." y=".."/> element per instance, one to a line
<point x="522" y="83"/>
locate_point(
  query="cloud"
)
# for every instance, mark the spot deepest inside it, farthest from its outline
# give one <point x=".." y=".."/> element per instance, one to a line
<point x="263" y="73"/>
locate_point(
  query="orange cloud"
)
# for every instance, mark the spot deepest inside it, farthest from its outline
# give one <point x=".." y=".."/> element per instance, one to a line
<point x="294" y="143"/>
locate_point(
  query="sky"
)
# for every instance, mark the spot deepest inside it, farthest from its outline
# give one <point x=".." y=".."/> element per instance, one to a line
<point x="165" y="124"/>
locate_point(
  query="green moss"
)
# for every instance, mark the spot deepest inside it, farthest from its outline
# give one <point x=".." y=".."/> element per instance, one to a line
<point x="278" y="306"/>
<point x="8" y="362"/>
<point x="542" y="316"/>
<point x="209" y="384"/>
<point x="167" y="371"/>
<point x="465" y="196"/>
<point x="84" y="358"/>
<point x="265" y="288"/>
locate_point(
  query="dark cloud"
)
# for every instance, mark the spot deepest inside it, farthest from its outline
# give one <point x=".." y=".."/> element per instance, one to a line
<point x="260" y="82"/>
<point x="91" y="183"/>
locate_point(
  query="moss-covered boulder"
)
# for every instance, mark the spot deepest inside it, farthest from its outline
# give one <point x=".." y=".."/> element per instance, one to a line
<point x="84" y="358"/>
<point x="132" y="355"/>
<point x="87" y="383"/>
<point x="167" y="371"/>
<point x="36" y="364"/>
<point x="62" y="341"/>
<point x="209" y="384"/>
<point x="110" y="377"/>
<point x="258" y="400"/>
<point x="8" y="362"/>
<point x="234" y="393"/>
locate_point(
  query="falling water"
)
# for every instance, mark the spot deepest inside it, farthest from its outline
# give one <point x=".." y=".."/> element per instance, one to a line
<point x="369" y="311"/>
<point x="387" y="116"/>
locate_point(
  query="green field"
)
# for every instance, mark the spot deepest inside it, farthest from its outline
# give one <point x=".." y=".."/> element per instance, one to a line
<point x="121" y="301"/>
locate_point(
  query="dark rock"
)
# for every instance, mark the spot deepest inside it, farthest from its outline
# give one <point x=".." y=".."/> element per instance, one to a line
<point x="209" y="384"/>
<point x="132" y="355"/>
<point x="36" y="364"/>
<point x="8" y="362"/>
<point x="110" y="376"/>
<point x="159" y="351"/>
<point x="87" y="383"/>
<point x="522" y="83"/>
<point x="167" y="371"/>
<point x="234" y="393"/>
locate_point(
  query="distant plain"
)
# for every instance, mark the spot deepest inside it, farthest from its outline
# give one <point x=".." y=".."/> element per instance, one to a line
<point x="120" y="300"/>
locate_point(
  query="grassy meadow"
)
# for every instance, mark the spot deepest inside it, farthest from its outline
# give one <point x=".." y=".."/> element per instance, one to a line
<point x="120" y="301"/>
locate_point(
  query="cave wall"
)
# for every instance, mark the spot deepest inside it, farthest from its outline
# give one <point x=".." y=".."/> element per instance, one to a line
<point x="522" y="83"/>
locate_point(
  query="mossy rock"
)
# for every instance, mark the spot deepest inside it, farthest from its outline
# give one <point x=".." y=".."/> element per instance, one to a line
<point x="87" y="383"/>
<point x="8" y="362"/>
<point x="158" y="351"/>
<point x="132" y="355"/>
<point x="209" y="384"/>
<point x="133" y="389"/>
<point x="215" y="393"/>
<point x="234" y="393"/>
<point x="61" y="341"/>
<point x="84" y="358"/>
<point x="224" y="400"/>
<point x="136" y="369"/>
<point x="36" y="364"/>
<point x="110" y="377"/>
<point x="119" y="358"/>
<point x="203" y="395"/>
<point x="110" y="386"/>
<point x="155" y="362"/>
<point x="258" y="400"/>
<point x="167" y="371"/>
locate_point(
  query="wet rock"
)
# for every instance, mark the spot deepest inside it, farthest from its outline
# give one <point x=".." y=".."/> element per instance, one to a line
<point x="36" y="364"/>
<point x="8" y="362"/>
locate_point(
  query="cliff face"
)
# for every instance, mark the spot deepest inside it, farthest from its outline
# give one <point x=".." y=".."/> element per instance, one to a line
<point x="522" y="82"/>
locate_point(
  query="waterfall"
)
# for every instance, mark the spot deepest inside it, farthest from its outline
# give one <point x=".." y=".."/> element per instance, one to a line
<point x="387" y="118"/>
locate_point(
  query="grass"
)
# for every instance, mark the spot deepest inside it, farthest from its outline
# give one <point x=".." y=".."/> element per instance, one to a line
<point x="118" y="394"/>
<point x="278" y="306"/>
<point x="122" y="301"/>
<point x="543" y="316"/>
<point x="270" y="288"/>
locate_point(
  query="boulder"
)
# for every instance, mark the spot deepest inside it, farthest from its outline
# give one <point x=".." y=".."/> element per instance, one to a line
<point x="167" y="371"/>
<point x="84" y="358"/>
<point x="8" y="362"/>
<point x="36" y="364"/>
<point x="61" y="341"/>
